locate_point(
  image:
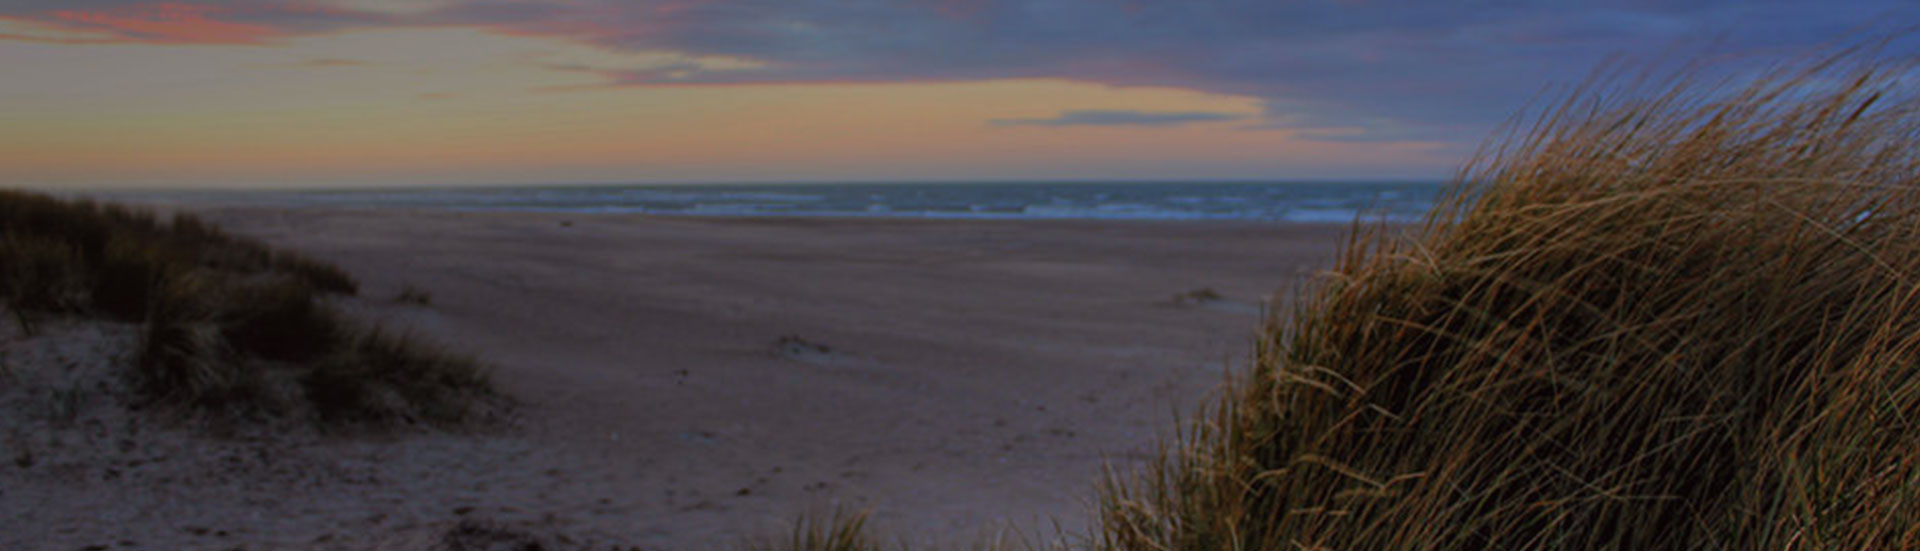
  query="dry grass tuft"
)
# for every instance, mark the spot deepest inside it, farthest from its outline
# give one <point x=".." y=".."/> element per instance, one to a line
<point x="840" y="531"/>
<point x="184" y="356"/>
<point x="380" y="375"/>
<point x="229" y="324"/>
<point x="1688" y="319"/>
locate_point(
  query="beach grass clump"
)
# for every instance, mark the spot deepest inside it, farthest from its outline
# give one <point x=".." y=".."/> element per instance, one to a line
<point x="277" y="319"/>
<point x="228" y="323"/>
<point x="839" y="531"/>
<point x="184" y="357"/>
<point x="1684" y="319"/>
<point x="40" y="274"/>
<point x="381" y="374"/>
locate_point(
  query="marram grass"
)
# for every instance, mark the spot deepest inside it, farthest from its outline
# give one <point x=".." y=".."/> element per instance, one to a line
<point x="229" y="324"/>
<point x="1686" y="319"/>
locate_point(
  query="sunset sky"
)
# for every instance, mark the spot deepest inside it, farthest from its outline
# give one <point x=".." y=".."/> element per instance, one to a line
<point x="316" y="93"/>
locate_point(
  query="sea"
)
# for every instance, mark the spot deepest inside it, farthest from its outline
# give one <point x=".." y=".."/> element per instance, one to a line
<point x="1337" y="202"/>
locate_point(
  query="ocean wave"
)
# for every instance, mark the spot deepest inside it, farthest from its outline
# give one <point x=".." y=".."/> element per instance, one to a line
<point x="1288" y="202"/>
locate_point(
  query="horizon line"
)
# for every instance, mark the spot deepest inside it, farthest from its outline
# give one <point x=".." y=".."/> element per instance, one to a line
<point x="717" y="183"/>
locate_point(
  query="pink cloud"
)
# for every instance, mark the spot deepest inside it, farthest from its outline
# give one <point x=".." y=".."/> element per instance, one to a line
<point x="162" y="23"/>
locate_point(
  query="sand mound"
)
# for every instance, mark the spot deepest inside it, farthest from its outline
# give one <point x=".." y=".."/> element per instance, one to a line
<point x="1685" y="319"/>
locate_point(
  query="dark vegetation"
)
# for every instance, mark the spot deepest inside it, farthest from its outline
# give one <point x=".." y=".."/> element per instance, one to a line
<point x="410" y="294"/>
<point x="1688" y="319"/>
<point x="837" y="531"/>
<point x="229" y="324"/>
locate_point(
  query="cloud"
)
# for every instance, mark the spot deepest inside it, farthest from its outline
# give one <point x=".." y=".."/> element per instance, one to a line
<point x="161" y="23"/>
<point x="332" y="62"/>
<point x="1117" y="117"/>
<point x="1383" y="70"/>
<point x="1380" y="71"/>
<point x="240" y="22"/>
<point x="393" y="6"/>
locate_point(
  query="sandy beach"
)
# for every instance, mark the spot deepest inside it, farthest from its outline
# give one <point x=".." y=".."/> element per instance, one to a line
<point x="689" y="381"/>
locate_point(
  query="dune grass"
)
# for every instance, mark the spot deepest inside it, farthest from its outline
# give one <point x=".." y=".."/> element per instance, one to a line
<point x="839" y="531"/>
<point x="1667" y="316"/>
<point x="229" y="324"/>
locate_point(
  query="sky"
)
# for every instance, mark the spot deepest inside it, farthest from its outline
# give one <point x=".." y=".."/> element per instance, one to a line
<point x="351" y="93"/>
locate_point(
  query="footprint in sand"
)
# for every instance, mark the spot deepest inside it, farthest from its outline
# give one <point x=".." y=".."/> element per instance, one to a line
<point x="795" y="348"/>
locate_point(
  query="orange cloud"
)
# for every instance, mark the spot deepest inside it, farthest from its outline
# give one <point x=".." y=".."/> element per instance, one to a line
<point x="460" y="106"/>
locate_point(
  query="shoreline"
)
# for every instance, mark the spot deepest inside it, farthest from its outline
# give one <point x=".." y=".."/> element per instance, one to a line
<point x="1292" y="202"/>
<point x="168" y="205"/>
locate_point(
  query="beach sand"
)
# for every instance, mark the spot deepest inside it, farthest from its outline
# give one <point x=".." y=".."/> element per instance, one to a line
<point x="688" y="381"/>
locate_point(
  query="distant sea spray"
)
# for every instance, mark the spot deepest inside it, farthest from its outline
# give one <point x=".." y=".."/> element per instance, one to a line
<point x="1280" y="201"/>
